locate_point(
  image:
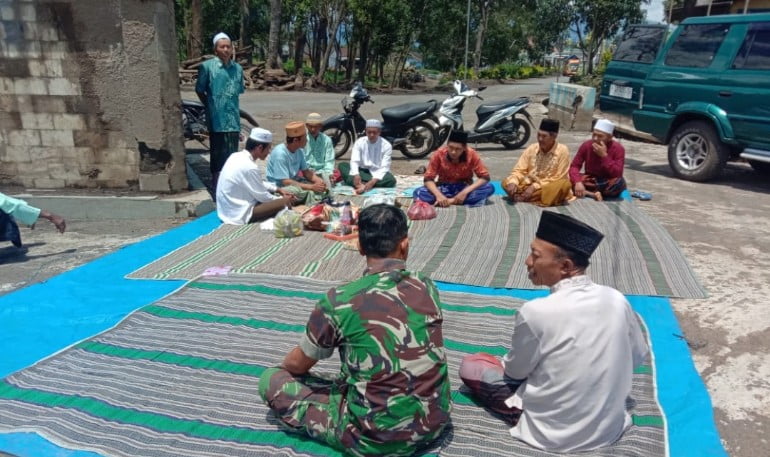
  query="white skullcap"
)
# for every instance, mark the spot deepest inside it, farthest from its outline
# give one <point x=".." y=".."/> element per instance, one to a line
<point x="261" y="135"/>
<point x="219" y="36"/>
<point x="374" y="123"/>
<point x="604" y="125"/>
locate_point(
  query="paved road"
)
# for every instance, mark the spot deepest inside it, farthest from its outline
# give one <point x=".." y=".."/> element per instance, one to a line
<point x="274" y="109"/>
<point x="721" y="226"/>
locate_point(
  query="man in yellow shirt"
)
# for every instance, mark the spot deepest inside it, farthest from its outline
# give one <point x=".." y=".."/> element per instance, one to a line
<point x="541" y="174"/>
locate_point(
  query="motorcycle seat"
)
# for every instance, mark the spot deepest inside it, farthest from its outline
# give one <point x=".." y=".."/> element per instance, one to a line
<point x="400" y="113"/>
<point x="490" y="107"/>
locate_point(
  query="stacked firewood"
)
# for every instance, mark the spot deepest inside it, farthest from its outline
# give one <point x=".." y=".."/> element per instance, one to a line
<point x="255" y="76"/>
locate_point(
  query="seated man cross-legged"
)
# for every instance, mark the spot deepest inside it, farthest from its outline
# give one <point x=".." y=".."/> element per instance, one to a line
<point x="540" y="175"/>
<point x="288" y="160"/>
<point x="393" y="393"/>
<point x="243" y="196"/>
<point x="604" y="158"/>
<point x="454" y="166"/>
<point x="564" y="383"/>
<point x="369" y="165"/>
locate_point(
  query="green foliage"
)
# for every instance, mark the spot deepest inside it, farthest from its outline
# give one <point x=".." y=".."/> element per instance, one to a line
<point x="465" y="73"/>
<point x="289" y="67"/>
<point x="605" y="60"/>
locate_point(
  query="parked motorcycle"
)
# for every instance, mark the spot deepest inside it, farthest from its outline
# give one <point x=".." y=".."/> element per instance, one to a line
<point x="406" y="126"/>
<point x="195" y="125"/>
<point x="498" y="122"/>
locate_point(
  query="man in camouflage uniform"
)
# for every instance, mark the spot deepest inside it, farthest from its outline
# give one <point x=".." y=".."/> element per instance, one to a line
<point x="392" y="394"/>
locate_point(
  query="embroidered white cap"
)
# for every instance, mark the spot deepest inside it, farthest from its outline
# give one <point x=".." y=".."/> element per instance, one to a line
<point x="220" y="36"/>
<point x="604" y="125"/>
<point x="261" y="135"/>
<point x="374" y="123"/>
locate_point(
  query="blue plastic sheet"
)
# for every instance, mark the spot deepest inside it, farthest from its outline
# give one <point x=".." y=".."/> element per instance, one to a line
<point x="44" y="318"/>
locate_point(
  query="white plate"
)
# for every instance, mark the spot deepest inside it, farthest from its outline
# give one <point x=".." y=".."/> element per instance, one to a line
<point x="621" y="91"/>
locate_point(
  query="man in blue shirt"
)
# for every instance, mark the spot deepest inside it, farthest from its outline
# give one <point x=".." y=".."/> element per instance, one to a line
<point x="287" y="168"/>
<point x="220" y="82"/>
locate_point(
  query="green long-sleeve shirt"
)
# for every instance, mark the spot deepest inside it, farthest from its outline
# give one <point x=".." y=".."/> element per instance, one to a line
<point x="19" y="209"/>
<point x="319" y="153"/>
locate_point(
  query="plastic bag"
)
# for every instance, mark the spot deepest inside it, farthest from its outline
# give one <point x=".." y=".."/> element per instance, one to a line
<point x="288" y="224"/>
<point x="421" y="211"/>
<point x="379" y="198"/>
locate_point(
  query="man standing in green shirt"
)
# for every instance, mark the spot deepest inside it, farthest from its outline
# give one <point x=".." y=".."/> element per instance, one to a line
<point x="319" y="151"/>
<point x="392" y="395"/>
<point x="220" y="82"/>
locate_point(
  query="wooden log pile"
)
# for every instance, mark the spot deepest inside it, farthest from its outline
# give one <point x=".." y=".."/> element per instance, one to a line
<point x="255" y="75"/>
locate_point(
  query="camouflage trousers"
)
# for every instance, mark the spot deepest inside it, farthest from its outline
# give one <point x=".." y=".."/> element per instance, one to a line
<point x="317" y="408"/>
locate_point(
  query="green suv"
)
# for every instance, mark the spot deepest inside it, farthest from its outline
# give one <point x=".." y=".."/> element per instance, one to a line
<point x="705" y="91"/>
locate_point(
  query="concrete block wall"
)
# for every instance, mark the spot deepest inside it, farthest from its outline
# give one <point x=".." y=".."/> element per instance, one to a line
<point x="572" y="105"/>
<point x="89" y="95"/>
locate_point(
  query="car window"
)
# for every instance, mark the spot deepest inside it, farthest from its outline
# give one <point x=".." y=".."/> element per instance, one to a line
<point x="640" y="44"/>
<point x="755" y="51"/>
<point x="696" y="45"/>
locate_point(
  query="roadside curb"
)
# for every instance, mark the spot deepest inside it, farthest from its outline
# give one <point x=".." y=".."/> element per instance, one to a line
<point x="76" y="207"/>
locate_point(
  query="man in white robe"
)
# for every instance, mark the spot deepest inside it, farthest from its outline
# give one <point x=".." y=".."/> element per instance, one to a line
<point x="243" y="195"/>
<point x="564" y="383"/>
<point x="369" y="165"/>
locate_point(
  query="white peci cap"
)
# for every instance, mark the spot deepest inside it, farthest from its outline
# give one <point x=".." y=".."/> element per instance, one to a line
<point x="220" y="36"/>
<point x="604" y="125"/>
<point x="374" y="123"/>
<point x="261" y="135"/>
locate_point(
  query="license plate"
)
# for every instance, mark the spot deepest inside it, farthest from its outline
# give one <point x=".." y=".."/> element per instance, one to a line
<point x="621" y="91"/>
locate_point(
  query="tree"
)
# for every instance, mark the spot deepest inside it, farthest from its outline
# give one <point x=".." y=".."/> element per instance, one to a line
<point x="484" y="11"/>
<point x="333" y="12"/>
<point x="196" y="29"/>
<point x="274" y="40"/>
<point x="596" y="20"/>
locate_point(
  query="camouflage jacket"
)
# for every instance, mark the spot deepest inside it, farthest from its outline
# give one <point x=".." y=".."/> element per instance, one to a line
<point x="387" y="326"/>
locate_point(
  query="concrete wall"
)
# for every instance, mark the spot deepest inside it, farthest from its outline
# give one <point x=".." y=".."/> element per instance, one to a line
<point x="89" y="95"/>
<point x="572" y="105"/>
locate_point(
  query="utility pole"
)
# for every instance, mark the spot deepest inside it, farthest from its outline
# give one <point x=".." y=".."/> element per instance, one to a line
<point x="708" y="11"/>
<point x="467" y="35"/>
<point x="746" y="7"/>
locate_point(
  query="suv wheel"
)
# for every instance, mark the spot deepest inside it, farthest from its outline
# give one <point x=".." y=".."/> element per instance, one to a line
<point x="695" y="152"/>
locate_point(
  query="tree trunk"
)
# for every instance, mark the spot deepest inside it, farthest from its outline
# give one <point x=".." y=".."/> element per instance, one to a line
<point x="196" y="29"/>
<point x="332" y="45"/>
<point x="299" y="46"/>
<point x="485" y="6"/>
<point x="352" y="51"/>
<point x="274" y="39"/>
<point x="364" y="53"/>
<point x="244" y="33"/>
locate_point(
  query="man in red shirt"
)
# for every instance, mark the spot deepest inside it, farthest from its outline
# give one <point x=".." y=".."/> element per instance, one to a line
<point x="604" y="159"/>
<point x="449" y="177"/>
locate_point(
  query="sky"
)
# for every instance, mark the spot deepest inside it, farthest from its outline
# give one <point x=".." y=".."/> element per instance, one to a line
<point x="654" y="11"/>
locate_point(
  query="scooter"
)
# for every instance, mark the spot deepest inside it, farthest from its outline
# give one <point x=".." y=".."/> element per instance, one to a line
<point x="196" y="127"/>
<point x="499" y="122"/>
<point x="406" y="126"/>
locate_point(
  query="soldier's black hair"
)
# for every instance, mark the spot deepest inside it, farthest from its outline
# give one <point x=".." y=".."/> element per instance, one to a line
<point x="380" y="229"/>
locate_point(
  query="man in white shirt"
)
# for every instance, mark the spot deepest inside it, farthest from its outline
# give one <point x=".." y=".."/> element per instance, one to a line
<point x="243" y="196"/>
<point x="369" y="165"/>
<point x="564" y="383"/>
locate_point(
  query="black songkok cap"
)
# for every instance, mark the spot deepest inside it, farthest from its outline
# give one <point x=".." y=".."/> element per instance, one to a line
<point x="568" y="233"/>
<point x="549" y="125"/>
<point x="458" y="136"/>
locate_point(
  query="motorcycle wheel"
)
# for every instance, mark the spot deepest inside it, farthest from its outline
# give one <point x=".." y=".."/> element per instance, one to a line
<point x="341" y="140"/>
<point x="442" y="135"/>
<point x="419" y="140"/>
<point x="519" y="137"/>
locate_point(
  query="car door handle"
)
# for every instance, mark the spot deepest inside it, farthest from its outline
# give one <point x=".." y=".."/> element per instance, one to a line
<point x="725" y="93"/>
